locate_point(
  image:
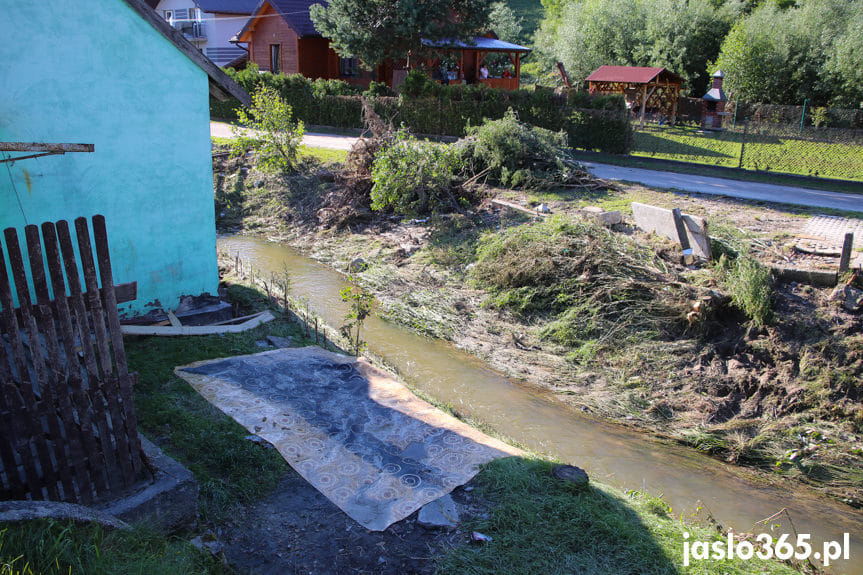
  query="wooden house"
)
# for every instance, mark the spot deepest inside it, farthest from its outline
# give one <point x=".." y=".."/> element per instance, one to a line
<point x="135" y="93"/>
<point x="646" y="90"/>
<point x="281" y="37"/>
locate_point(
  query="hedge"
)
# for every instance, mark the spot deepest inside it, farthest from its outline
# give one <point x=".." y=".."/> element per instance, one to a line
<point x="425" y="107"/>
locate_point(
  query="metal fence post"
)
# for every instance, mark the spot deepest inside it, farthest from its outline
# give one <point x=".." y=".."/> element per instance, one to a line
<point x="743" y="142"/>
<point x="803" y="115"/>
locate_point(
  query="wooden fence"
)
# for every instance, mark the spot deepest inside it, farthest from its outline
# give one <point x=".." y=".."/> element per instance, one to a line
<point x="69" y="431"/>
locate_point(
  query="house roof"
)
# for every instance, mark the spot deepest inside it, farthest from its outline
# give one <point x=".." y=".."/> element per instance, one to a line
<point x="294" y="12"/>
<point x="633" y="75"/>
<point x="244" y="7"/>
<point x="478" y="43"/>
<point x="221" y="86"/>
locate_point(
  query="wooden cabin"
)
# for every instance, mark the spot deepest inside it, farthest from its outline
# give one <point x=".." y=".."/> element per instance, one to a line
<point x="646" y="90"/>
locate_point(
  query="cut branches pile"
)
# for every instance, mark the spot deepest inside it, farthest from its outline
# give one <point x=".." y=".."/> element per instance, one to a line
<point x="590" y="287"/>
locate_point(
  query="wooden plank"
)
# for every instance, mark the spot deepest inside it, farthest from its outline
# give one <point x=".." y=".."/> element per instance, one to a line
<point x="44" y="147"/>
<point x="16" y="262"/>
<point x="18" y="428"/>
<point x="55" y="384"/>
<point x="172" y="319"/>
<point x="100" y="234"/>
<point x="104" y="459"/>
<point x="170" y="330"/>
<point x="106" y="385"/>
<point x="82" y="443"/>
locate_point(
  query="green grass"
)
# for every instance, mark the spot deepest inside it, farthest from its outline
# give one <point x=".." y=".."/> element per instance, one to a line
<point x="324" y="155"/>
<point x="539" y="524"/>
<point x="48" y="547"/>
<point x="764" y="153"/>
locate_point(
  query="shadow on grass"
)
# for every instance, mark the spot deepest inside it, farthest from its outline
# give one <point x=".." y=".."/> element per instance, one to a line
<point x="650" y="143"/>
<point x="539" y="524"/>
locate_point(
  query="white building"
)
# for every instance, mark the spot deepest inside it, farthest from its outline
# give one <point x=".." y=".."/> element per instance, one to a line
<point x="209" y="24"/>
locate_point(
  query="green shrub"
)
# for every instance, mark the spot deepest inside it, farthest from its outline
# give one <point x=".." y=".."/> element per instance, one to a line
<point x="278" y="138"/>
<point x="412" y="177"/>
<point x="378" y="90"/>
<point x="427" y="107"/>
<point x="514" y="154"/>
<point x="749" y="285"/>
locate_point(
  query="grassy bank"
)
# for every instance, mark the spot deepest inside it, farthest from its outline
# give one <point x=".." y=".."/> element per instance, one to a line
<point x="760" y="153"/>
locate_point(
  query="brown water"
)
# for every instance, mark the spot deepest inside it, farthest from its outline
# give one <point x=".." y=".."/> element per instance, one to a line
<point x="609" y="453"/>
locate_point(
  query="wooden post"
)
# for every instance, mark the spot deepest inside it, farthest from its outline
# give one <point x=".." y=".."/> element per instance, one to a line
<point x="316" y="331"/>
<point x="682" y="238"/>
<point x="845" y="259"/>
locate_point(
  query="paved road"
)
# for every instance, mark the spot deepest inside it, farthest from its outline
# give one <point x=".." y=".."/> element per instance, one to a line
<point x="733" y="188"/>
<point x="311" y="139"/>
<point x="652" y="178"/>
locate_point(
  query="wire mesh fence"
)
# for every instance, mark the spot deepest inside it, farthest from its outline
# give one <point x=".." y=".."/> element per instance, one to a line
<point x="816" y="142"/>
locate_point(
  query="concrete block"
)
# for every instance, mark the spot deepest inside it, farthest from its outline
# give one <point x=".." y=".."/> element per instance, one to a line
<point x="817" y="278"/>
<point x="167" y="503"/>
<point x="661" y="221"/>
<point x="607" y="219"/>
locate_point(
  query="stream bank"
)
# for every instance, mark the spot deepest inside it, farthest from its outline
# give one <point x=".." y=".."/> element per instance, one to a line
<point x="776" y="391"/>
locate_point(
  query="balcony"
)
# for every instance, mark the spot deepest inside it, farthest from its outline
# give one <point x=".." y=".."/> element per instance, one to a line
<point x="193" y="30"/>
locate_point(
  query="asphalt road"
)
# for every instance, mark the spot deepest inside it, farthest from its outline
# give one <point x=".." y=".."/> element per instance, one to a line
<point x="731" y="188"/>
<point x="652" y="178"/>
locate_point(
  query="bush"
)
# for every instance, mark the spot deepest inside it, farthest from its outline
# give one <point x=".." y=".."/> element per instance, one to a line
<point x="749" y="285"/>
<point x="514" y="154"/>
<point x="412" y="177"/>
<point x="278" y="138"/>
<point x="427" y="107"/>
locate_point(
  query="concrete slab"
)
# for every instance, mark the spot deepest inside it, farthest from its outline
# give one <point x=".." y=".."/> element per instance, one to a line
<point x="27" y="510"/>
<point x="661" y="221"/>
<point x="169" y="502"/>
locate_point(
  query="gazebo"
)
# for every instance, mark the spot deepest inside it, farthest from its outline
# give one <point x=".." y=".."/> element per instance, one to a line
<point x="642" y="87"/>
<point x="470" y="56"/>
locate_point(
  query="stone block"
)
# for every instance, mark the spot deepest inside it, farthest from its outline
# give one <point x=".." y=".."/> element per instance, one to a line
<point x="661" y="221"/>
<point x="441" y="513"/>
<point x="607" y="219"/>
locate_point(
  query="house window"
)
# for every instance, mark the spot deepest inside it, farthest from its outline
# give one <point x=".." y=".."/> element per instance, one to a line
<point x="169" y="16"/>
<point x="275" y="62"/>
<point x="349" y="67"/>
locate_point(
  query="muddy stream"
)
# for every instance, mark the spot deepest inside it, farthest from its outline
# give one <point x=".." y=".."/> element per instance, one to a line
<point x="609" y="453"/>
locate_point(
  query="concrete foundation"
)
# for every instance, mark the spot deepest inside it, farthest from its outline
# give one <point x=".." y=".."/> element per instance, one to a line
<point x="661" y="221"/>
<point x="167" y="503"/>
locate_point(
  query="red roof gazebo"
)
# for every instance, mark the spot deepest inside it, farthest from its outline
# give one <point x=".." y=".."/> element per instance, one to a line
<point x="642" y="87"/>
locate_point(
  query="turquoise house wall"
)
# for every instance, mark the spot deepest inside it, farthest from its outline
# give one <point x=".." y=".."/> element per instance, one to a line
<point x="94" y="72"/>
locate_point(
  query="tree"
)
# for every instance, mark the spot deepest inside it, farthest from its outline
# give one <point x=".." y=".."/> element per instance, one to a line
<point x="276" y="138"/>
<point x="805" y="51"/>
<point x="377" y="30"/>
<point x="680" y="35"/>
<point x="505" y="23"/>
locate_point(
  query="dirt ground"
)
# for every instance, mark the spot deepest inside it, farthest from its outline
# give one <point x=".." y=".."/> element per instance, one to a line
<point x="297" y="530"/>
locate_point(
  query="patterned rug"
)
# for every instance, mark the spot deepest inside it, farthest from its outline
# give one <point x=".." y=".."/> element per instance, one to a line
<point x="351" y="430"/>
